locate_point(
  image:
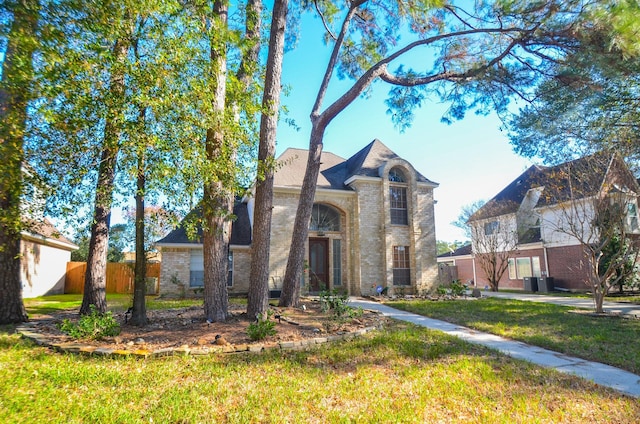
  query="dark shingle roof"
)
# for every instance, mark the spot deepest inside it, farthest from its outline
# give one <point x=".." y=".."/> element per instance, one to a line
<point x="240" y="228"/>
<point x="460" y="251"/>
<point x="335" y="170"/>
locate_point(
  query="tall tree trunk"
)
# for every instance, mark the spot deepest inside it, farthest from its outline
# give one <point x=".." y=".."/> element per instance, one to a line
<point x="290" y="295"/>
<point x="15" y="92"/>
<point x="217" y="200"/>
<point x="139" y="313"/>
<point x="258" y="300"/>
<point x="291" y="286"/>
<point x="95" y="278"/>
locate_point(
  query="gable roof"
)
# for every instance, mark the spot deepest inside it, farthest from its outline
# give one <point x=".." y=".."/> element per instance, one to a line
<point x="240" y="229"/>
<point x="334" y="170"/>
<point x="576" y="179"/>
<point x="294" y="165"/>
<point x="460" y="251"/>
<point x="43" y="231"/>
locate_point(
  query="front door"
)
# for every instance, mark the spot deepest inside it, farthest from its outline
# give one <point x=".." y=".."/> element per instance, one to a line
<point x="318" y="264"/>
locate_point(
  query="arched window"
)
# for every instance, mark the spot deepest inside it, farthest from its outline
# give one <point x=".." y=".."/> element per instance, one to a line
<point x="324" y="218"/>
<point x="397" y="176"/>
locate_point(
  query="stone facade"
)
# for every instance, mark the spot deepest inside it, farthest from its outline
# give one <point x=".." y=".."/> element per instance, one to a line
<point x="174" y="271"/>
<point x="359" y="254"/>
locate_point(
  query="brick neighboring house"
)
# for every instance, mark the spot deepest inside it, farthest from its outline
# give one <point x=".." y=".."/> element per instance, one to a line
<point x="533" y="208"/>
<point x="457" y="265"/>
<point x="372" y="225"/>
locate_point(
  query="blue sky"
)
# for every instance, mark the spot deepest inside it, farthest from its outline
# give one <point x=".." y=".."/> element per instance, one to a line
<point x="470" y="159"/>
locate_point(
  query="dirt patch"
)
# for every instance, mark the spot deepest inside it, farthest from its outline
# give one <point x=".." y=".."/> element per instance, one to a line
<point x="187" y="327"/>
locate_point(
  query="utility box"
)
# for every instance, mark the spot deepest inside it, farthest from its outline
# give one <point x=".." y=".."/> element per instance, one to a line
<point x="546" y="284"/>
<point x="531" y="284"/>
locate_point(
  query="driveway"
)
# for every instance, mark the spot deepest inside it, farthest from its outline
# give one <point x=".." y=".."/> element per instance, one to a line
<point x="576" y="302"/>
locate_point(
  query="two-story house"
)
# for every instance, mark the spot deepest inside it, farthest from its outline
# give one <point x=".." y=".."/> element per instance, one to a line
<point x="372" y="225"/>
<point x="542" y="218"/>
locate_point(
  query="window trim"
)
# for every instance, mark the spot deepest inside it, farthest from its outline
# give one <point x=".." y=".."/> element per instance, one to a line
<point x="323" y="210"/>
<point x="633" y="222"/>
<point x="398" y="209"/>
<point x="401" y="265"/>
<point x="535" y="269"/>
<point x="336" y="257"/>
<point x="491" y="227"/>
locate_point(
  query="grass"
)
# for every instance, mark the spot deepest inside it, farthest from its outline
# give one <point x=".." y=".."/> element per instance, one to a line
<point x="610" y="340"/>
<point x="404" y="374"/>
<point x="613" y="296"/>
<point x="115" y="303"/>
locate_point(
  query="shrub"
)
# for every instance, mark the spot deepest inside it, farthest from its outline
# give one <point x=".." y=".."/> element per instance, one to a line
<point x="262" y="328"/>
<point x="337" y="302"/>
<point x="457" y="288"/>
<point x="93" y="326"/>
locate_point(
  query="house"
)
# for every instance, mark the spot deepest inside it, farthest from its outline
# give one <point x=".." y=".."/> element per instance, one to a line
<point x="530" y="218"/>
<point x="44" y="250"/>
<point x="457" y="265"/>
<point x="372" y="225"/>
<point x="44" y="256"/>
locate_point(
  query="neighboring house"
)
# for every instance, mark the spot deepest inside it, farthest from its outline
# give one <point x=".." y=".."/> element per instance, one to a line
<point x="457" y="265"/>
<point x="536" y="209"/>
<point x="372" y="225"/>
<point x="45" y="253"/>
<point x="44" y="250"/>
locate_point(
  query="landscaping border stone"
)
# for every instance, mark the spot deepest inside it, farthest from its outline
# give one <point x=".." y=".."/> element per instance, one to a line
<point x="27" y="331"/>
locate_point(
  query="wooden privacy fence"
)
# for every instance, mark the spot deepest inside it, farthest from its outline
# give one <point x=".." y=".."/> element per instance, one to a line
<point x="119" y="277"/>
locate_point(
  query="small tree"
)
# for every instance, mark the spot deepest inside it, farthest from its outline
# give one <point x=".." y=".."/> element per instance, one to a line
<point x="493" y="243"/>
<point x="599" y="225"/>
<point x="466" y="211"/>
<point x="595" y="216"/>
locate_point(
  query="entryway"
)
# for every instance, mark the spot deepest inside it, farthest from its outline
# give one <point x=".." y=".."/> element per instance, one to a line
<point x="318" y="264"/>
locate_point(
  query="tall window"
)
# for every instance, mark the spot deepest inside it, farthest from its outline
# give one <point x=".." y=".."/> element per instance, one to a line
<point x="632" y="216"/>
<point x="230" y="271"/>
<point x="337" y="263"/>
<point x="401" y="266"/>
<point x="196" y="268"/>
<point x="398" y="197"/>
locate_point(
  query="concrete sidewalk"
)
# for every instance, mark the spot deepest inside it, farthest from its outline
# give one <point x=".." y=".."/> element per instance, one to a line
<point x="604" y="375"/>
<point x="577" y="302"/>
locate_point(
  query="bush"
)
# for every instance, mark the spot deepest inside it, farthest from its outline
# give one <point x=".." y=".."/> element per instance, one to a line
<point x="261" y="329"/>
<point x="457" y="288"/>
<point x="337" y="302"/>
<point x="93" y="326"/>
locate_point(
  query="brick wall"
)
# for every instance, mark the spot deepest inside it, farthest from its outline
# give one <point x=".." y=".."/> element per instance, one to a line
<point x="566" y="268"/>
<point x="241" y="270"/>
<point x="369" y="247"/>
<point x="176" y="264"/>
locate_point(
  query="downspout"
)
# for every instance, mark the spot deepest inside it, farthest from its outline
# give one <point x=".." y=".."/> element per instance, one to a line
<point x="546" y="260"/>
<point x="473" y="264"/>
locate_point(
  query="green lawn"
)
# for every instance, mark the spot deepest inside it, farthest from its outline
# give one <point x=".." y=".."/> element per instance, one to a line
<point x="404" y="374"/>
<point x="115" y="303"/>
<point x="610" y="340"/>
